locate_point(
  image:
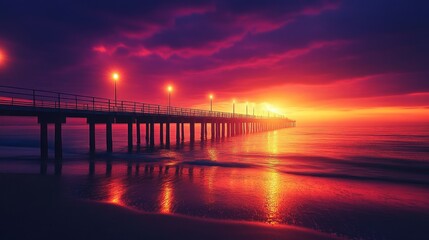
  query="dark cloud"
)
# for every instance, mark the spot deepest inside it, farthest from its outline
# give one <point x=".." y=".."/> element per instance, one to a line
<point x="228" y="46"/>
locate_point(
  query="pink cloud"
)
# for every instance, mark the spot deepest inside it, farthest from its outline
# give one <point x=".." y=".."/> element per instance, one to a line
<point x="99" y="48"/>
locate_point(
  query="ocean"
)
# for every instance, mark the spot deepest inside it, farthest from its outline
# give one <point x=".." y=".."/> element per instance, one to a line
<point x="354" y="182"/>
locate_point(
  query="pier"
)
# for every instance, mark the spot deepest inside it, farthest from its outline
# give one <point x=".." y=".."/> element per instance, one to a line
<point x="55" y="108"/>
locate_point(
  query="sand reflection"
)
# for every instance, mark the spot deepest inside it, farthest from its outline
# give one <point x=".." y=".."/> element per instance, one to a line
<point x="166" y="197"/>
<point x="116" y="190"/>
<point x="272" y="200"/>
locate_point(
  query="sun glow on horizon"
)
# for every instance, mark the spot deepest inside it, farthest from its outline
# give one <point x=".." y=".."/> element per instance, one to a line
<point x="272" y="109"/>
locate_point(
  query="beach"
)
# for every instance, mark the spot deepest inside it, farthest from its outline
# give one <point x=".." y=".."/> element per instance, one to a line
<point x="32" y="207"/>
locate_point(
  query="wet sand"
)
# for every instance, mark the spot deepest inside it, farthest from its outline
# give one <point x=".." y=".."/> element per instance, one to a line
<point x="35" y="207"/>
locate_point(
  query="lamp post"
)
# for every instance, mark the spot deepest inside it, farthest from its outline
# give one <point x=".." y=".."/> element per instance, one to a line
<point x="115" y="77"/>
<point x="211" y="102"/>
<point x="169" y="89"/>
<point x="233" y="108"/>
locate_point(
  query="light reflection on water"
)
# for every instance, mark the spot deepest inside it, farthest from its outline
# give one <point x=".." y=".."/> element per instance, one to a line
<point x="166" y="196"/>
<point x="265" y="195"/>
<point x="116" y="190"/>
<point x="272" y="189"/>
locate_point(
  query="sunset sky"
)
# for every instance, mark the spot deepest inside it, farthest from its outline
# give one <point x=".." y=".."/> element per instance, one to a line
<point x="310" y="60"/>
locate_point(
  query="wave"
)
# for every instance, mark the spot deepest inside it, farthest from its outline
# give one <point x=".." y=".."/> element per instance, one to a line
<point x="398" y="170"/>
<point x="357" y="177"/>
<point x="211" y="163"/>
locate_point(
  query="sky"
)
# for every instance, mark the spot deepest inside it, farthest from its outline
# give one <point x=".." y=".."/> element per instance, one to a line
<point x="313" y="61"/>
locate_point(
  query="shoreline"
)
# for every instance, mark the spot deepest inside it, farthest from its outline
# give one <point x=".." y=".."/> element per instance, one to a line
<point x="34" y="207"/>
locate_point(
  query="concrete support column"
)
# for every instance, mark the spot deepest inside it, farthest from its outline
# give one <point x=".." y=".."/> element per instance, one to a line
<point x="202" y="131"/>
<point x="192" y="132"/>
<point x="212" y="125"/>
<point x="130" y="136"/>
<point x="161" y="133"/>
<point x="109" y="138"/>
<point x="177" y="133"/>
<point x="58" y="148"/>
<point x="91" y="137"/>
<point x="152" y="134"/>
<point x="183" y="131"/>
<point x="43" y="147"/>
<point x="147" y="134"/>
<point x="205" y="131"/>
<point x="138" y="132"/>
<point x="44" y="140"/>
<point x="223" y="130"/>
<point x="167" y="134"/>
<point x="217" y="130"/>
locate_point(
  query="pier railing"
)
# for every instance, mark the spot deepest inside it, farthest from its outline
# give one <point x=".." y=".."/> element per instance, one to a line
<point x="23" y="97"/>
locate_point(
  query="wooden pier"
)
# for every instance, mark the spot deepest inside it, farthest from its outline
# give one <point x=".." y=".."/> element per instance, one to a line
<point x="55" y="108"/>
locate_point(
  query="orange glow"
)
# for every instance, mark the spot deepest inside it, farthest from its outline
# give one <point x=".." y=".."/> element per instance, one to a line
<point x="167" y="197"/>
<point x="273" y="188"/>
<point x="116" y="190"/>
<point x="271" y="108"/>
<point x="211" y="96"/>
<point x="364" y="116"/>
<point x="170" y="88"/>
<point x="115" y="76"/>
<point x="2" y="57"/>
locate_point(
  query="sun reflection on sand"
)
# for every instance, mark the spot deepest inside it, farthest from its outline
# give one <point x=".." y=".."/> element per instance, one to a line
<point x="210" y="184"/>
<point x="116" y="191"/>
<point x="166" y="197"/>
<point x="272" y="200"/>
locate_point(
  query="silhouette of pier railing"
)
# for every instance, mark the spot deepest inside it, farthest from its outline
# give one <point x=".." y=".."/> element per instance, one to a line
<point x="55" y="107"/>
<point x="23" y="97"/>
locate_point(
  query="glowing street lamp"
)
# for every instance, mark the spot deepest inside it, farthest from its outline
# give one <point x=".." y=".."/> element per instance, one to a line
<point x="2" y="57"/>
<point x="211" y="102"/>
<point x="115" y="77"/>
